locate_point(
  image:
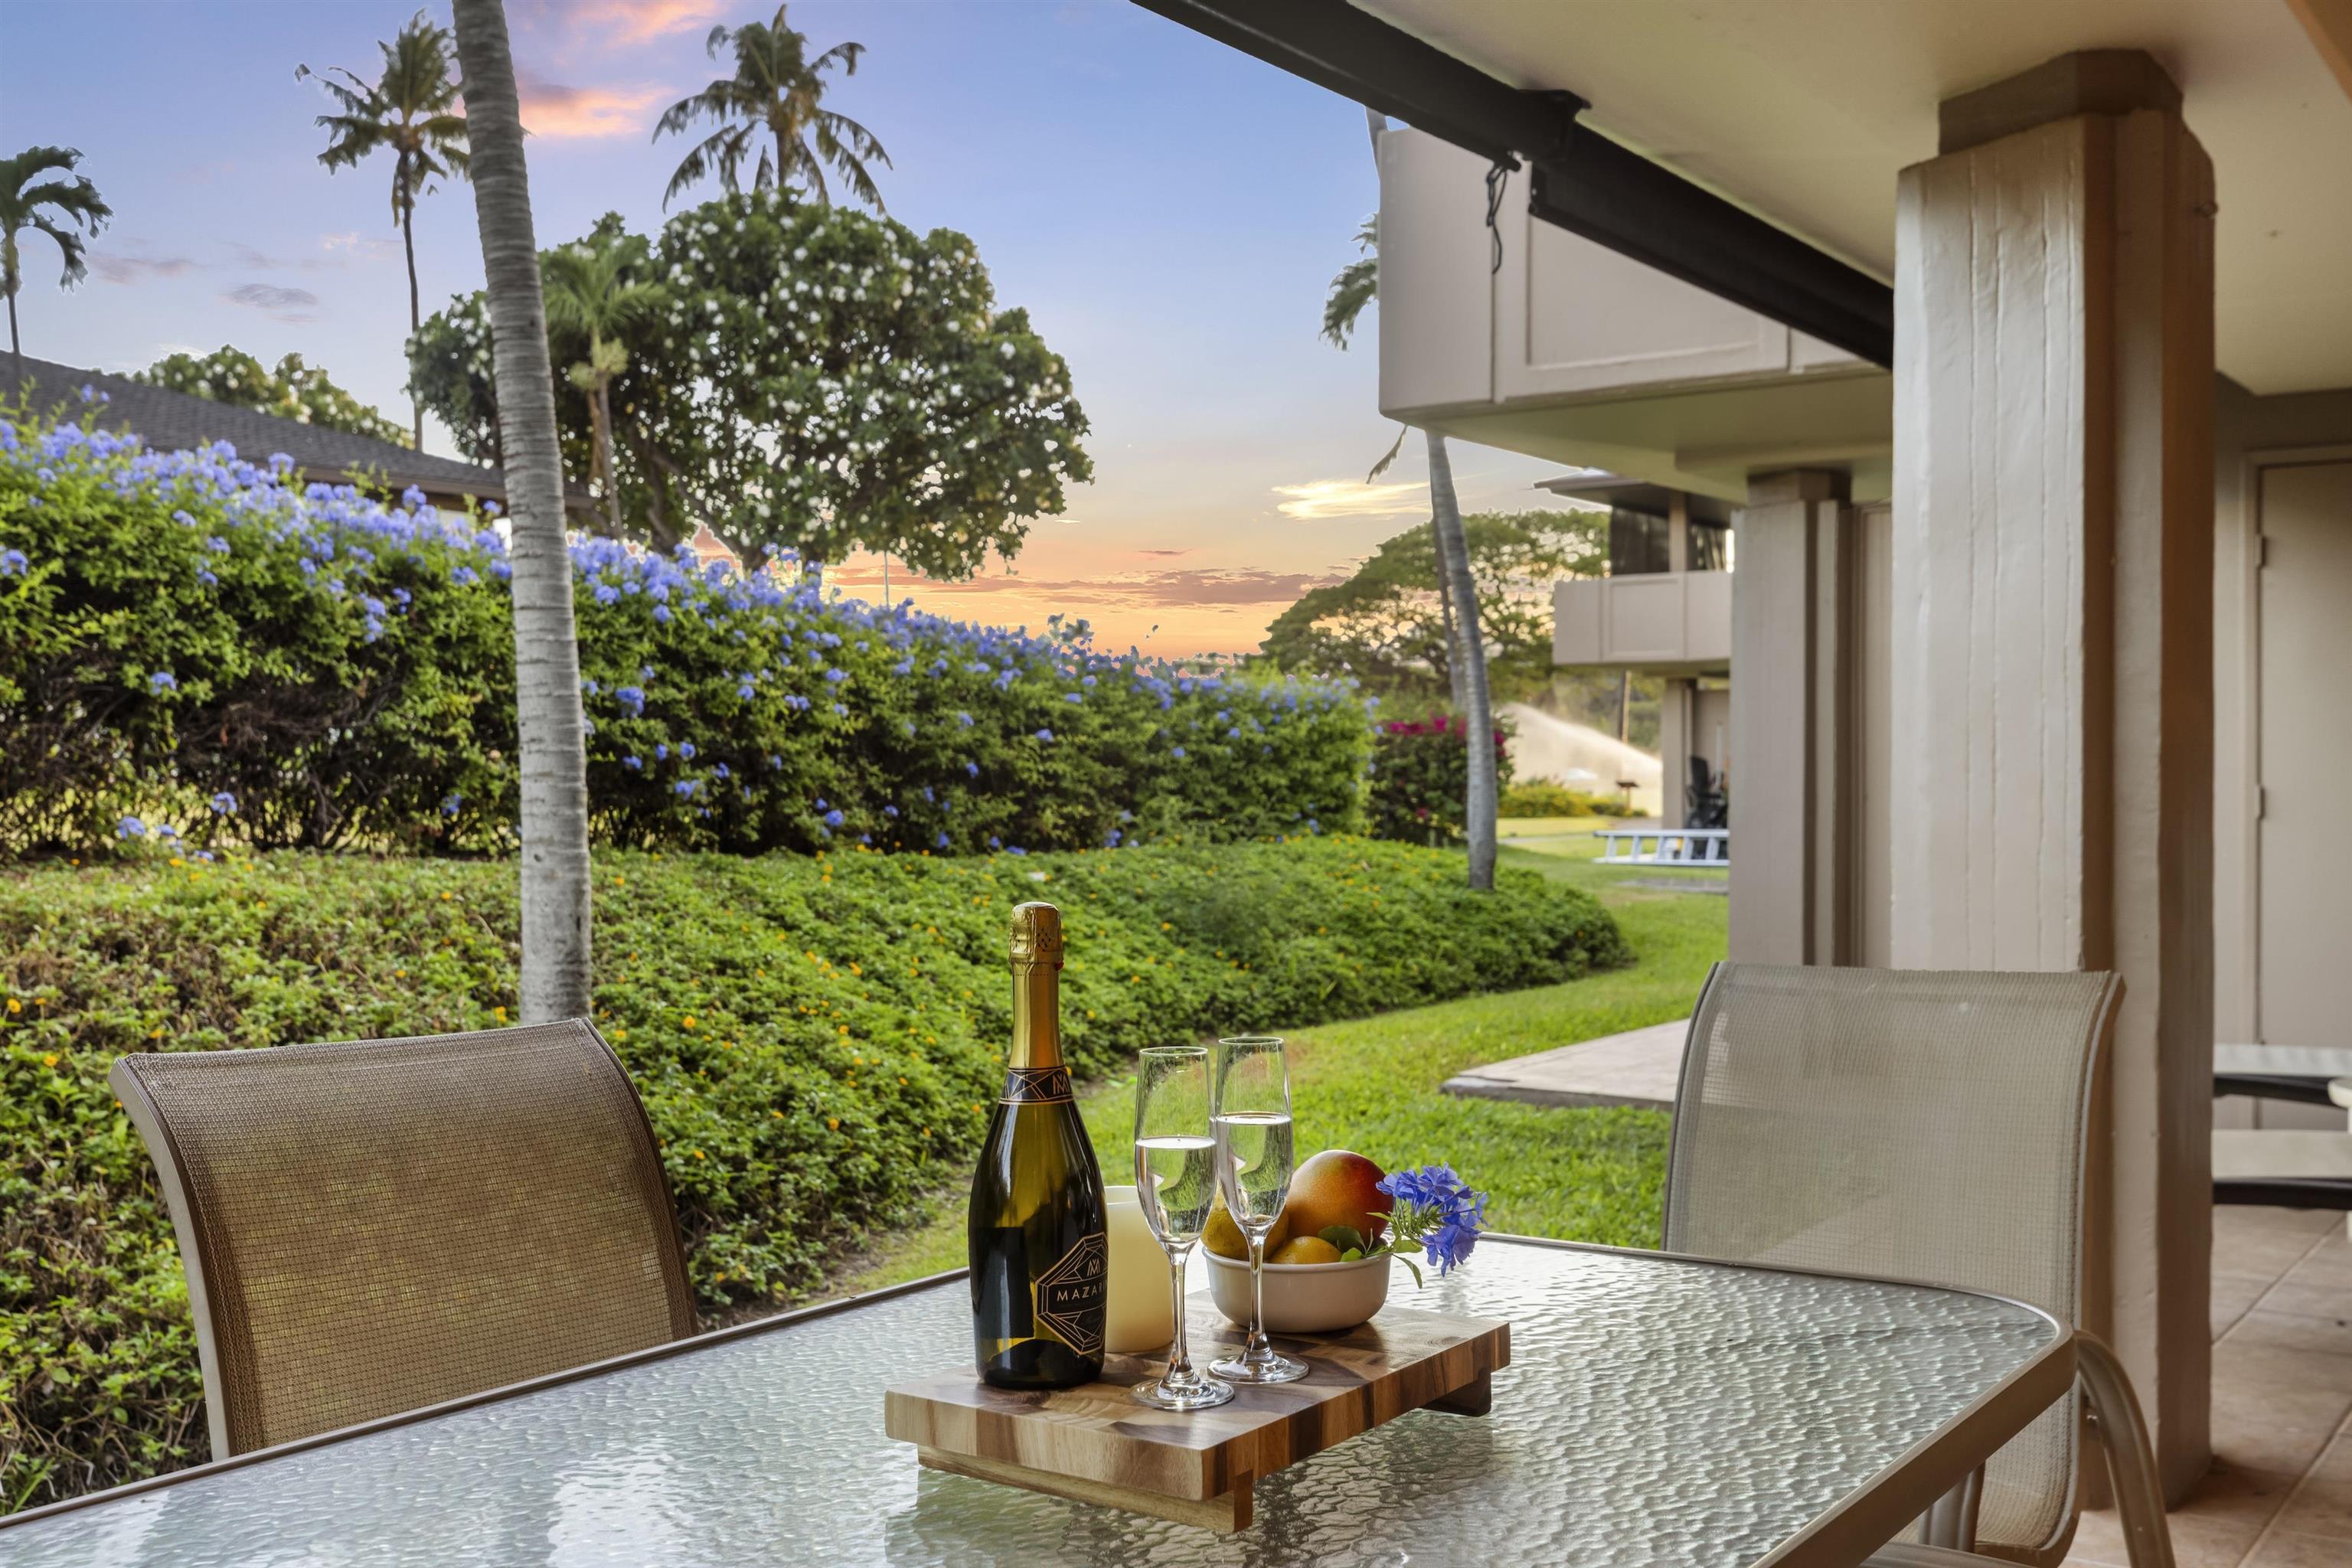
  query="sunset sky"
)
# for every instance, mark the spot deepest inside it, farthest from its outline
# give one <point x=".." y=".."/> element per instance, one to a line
<point x="1170" y="212"/>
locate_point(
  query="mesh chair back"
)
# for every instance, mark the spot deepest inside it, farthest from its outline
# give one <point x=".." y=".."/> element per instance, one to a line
<point x="1914" y="1124"/>
<point x="377" y="1225"/>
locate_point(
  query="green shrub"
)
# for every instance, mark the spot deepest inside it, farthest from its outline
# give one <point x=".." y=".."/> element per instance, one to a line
<point x="187" y="640"/>
<point x="817" y="1041"/>
<point x="1421" y="778"/>
<point x="1542" y="797"/>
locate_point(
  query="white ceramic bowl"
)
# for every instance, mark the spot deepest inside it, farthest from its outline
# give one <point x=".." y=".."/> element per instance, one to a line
<point x="1302" y="1298"/>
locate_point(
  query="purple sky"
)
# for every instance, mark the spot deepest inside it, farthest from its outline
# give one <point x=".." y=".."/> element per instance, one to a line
<point x="1170" y="213"/>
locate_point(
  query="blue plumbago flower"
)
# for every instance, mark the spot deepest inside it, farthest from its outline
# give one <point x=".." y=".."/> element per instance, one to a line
<point x="971" y="768"/>
<point x="167" y="831"/>
<point x="840" y="710"/>
<point x="635" y="765"/>
<point x="836" y="675"/>
<point x="131" y="827"/>
<point x="491" y="509"/>
<point x="207" y="578"/>
<point x="995" y="842"/>
<point x="821" y="804"/>
<point x="1437" y="1211"/>
<point x="661" y="752"/>
<point x="832" y="819"/>
<point x="903" y="667"/>
<point x="686" y="750"/>
<point x="412" y="498"/>
<point x="775" y="763"/>
<point x="464" y="576"/>
<point x="892" y="811"/>
<point x="1016" y="850"/>
<point x="661" y="613"/>
<point x="162" y="680"/>
<point x="1110" y="839"/>
<point x="927" y="794"/>
<point x="224" y="804"/>
<point x="450" y="804"/>
<point x="745" y="689"/>
<point x="631" y="698"/>
<point x="1073" y="697"/>
<point x="965" y="720"/>
<point x="685" y="788"/>
<point x="1180" y="753"/>
<point x="722" y="771"/>
<point x="941" y="842"/>
<point x="1045" y="735"/>
<point x="13" y="563"/>
<point x="605" y="593"/>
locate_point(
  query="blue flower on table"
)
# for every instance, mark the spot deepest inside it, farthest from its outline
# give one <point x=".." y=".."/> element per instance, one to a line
<point x="224" y="803"/>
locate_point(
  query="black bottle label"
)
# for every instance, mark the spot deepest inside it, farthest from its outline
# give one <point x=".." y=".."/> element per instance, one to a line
<point x="1072" y="1294"/>
<point x="1036" y="1086"/>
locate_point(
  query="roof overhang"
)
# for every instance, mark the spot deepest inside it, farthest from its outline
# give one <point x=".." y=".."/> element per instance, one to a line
<point x="1583" y="181"/>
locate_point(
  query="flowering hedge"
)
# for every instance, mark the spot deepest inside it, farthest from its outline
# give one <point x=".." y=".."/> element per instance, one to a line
<point x="190" y="641"/>
<point x="1422" y="786"/>
<point x="816" y="1038"/>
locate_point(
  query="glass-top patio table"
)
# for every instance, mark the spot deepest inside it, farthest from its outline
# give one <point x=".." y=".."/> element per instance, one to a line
<point x="1657" y="1410"/>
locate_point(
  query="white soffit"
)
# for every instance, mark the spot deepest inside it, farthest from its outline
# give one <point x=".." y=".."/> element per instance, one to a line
<point x="1805" y="110"/>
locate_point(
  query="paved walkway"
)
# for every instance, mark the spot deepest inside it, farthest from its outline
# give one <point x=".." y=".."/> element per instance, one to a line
<point x="1638" y="1067"/>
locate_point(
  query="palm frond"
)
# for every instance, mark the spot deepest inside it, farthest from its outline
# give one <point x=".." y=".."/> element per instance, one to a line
<point x="77" y="198"/>
<point x="722" y="149"/>
<point x="1355" y="287"/>
<point x="70" y="244"/>
<point x="847" y="53"/>
<point x="1390" y="456"/>
<point x="849" y="164"/>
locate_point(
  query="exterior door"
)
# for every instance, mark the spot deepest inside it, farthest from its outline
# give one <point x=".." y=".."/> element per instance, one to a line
<point x="2304" y="908"/>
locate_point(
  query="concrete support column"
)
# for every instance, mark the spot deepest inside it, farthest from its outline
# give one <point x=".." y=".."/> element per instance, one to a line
<point x="1676" y="742"/>
<point x="1792" y="654"/>
<point x="2052" y="633"/>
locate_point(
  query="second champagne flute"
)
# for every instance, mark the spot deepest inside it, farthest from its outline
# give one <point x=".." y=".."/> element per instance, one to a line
<point x="1249" y="1114"/>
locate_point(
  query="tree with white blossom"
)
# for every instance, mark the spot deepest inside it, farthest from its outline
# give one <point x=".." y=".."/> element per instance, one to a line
<point x="819" y="380"/>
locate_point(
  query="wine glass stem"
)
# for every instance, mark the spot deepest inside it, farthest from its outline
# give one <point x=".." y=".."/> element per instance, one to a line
<point x="1257" y="1347"/>
<point x="1180" y="1355"/>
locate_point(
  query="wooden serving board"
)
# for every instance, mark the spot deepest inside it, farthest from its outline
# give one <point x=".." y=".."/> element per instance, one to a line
<point x="1096" y="1445"/>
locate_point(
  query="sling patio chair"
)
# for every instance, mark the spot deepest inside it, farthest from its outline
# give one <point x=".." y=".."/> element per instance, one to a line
<point x="373" y="1226"/>
<point x="1929" y="1127"/>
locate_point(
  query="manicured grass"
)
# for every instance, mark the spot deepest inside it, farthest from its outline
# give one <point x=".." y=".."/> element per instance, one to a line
<point x="1371" y="1084"/>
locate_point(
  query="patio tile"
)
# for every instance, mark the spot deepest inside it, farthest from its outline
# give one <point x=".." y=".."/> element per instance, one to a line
<point x="2329" y="1301"/>
<point x="2249" y="1250"/>
<point x="2329" y="1337"/>
<point x="2233" y="1294"/>
<point x="2238" y="1357"/>
<point x="2214" y="1529"/>
<point x="2321" y="1506"/>
<point x="2283" y="1549"/>
<point x="2275" y="1426"/>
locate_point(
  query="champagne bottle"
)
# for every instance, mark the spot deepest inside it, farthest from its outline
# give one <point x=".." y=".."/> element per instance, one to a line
<point x="1040" y="1256"/>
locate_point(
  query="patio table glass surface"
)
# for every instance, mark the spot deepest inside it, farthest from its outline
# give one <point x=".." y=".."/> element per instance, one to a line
<point x="1656" y="1411"/>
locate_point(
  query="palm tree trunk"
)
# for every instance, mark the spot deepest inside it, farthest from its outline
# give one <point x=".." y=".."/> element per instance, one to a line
<point x="604" y="409"/>
<point x="1458" y="692"/>
<point x="555" y="904"/>
<point x="1453" y="561"/>
<point x="16" y="349"/>
<point x="408" y="242"/>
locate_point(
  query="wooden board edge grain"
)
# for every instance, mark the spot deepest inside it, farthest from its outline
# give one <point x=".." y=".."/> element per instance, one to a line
<point x="1224" y="1513"/>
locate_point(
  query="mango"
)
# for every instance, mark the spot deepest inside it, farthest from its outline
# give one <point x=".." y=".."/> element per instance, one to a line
<point x="1305" y="1249"/>
<point x="1223" y="1236"/>
<point x="1337" y="1187"/>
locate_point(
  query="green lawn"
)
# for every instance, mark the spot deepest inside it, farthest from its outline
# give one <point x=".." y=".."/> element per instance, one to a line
<point x="1371" y="1084"/>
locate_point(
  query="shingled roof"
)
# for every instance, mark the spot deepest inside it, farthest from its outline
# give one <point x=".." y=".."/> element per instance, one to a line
<point x="171" y="421"/>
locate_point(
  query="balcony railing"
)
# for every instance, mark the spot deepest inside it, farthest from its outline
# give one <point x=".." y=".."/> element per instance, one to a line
<point x="1661" y="623"/>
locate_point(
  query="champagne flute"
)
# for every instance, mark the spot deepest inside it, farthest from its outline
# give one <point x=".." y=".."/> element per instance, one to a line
<point x="1174" y="1182"/>
<point x="1250" y="1116"/>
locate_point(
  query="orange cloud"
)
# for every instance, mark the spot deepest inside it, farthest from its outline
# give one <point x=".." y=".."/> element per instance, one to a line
<point x="557" y="112"/>
<point x="635" y="21"/>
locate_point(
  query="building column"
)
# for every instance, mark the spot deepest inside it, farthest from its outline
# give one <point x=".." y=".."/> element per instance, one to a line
<point x="1675" y="744"/>
<point x="2051" y="657"/>
<point x="1792" y="655"/>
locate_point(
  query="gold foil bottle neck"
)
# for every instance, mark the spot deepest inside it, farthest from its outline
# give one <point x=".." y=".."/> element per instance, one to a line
<point x="1036" y="934"/>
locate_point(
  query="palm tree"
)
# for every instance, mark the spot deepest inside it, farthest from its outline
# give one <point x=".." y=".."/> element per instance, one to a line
<point x="590" y="290"/>
<point x="410" y="109"/>
<point x="56" y="207"/>
<point x="775" y="87"/>
<point x="555" y="906"/>
<point x="1356" y="286"/>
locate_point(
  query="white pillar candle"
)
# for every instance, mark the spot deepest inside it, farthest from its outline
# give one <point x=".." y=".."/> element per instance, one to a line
<point x="1139" y="1317"/>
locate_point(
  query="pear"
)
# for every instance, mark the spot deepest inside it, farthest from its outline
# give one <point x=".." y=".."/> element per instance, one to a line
<point x="1222" y="1236"/>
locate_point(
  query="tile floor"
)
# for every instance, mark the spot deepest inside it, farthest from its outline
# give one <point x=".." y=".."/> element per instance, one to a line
<point x="2280" y="1492"/>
